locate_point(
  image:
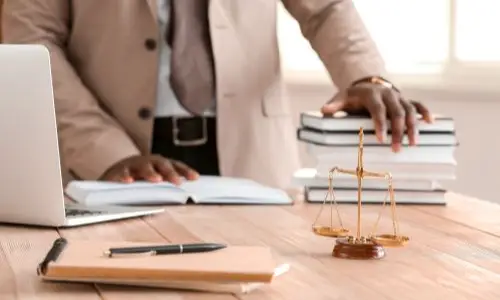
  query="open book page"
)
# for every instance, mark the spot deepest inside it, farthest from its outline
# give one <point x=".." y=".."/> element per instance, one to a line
<point x="228" y="190"/>
<point x="114" y="193"/>
<point x="206" y="189"/>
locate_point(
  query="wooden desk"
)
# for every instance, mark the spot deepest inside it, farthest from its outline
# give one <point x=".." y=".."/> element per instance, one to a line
<point x="454" y="253"/>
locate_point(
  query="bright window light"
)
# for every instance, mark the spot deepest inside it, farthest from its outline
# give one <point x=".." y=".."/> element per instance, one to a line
<point x="451" y="42"/>
<point x="477" y="25"/>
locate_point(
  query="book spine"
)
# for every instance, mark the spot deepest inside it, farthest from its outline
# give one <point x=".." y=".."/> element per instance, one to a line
<point x="54" y="252"/>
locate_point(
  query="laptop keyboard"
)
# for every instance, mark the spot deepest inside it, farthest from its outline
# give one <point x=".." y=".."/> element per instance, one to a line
<point x="73" y="212"/>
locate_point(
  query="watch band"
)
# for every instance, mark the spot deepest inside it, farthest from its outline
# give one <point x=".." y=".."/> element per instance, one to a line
<point x="376" y="80"/>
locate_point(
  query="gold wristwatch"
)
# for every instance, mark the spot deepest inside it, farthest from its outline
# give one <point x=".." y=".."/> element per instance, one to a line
<point x="376" y="80"/>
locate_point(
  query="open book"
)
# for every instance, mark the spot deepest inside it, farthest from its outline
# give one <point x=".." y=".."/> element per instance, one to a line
<point x="217" y="271"/>
<point x="205" y="190"/>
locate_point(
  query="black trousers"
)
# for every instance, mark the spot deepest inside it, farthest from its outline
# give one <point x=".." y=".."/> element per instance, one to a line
<point x="190" y="140"/>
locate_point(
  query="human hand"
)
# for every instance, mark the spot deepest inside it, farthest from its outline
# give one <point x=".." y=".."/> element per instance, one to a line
<point x="382" y="103"/>
<point x="154" y="168"/>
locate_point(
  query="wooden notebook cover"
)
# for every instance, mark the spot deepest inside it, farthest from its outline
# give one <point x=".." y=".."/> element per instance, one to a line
<point x="217" y="287"/>
<point x="84" y="259"/>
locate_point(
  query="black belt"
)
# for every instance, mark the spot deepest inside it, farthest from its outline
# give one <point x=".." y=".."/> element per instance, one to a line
<point x="184" y="131"/>
<point x="191" y="140"/>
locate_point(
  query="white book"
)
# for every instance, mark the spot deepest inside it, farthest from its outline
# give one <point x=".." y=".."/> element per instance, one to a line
<point x="404" y="171"/>
<point x="308" y="177"/>
<point x="341" y="121"/>
<point x="323" y="172"/>
<point x="435" y="153"/>
<point x="370" y="196"/>
<point x="394" y="160"/>
<point x="419" y="170"/>
<point x="370" y="139"/>
<point x="384" y="154"/>
<point x="205" y="190"/>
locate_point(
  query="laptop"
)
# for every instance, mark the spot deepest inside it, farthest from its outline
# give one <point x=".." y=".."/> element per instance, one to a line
<point x="31" y="190"/>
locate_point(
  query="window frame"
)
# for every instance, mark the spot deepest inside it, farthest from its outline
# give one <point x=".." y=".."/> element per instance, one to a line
<point x="453" y="74"/>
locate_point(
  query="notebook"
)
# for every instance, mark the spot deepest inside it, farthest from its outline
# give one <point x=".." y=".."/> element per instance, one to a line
<point x="222" y="270"/>
<point x="205" y="190"/>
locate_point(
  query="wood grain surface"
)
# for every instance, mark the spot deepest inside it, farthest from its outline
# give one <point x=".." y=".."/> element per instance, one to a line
<point x="454" y="252"/>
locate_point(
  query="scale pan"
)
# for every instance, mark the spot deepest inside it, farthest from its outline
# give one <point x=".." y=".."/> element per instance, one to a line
<point x="390" y="240"/>
<point x="330" y="231"/>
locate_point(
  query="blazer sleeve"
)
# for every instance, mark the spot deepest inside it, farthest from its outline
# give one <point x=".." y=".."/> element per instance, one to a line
<point x="337" y="33"/>
<point x="91" y="141"/>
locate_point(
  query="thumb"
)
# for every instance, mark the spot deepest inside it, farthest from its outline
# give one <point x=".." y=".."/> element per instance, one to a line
<point x="335" y="105"/>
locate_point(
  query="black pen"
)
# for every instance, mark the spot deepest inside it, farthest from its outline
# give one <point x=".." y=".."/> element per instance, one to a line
<point x="165" y="249"/>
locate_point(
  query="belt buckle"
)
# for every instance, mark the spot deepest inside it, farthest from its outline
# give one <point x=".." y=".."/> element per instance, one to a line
<point x="189" y="143"/>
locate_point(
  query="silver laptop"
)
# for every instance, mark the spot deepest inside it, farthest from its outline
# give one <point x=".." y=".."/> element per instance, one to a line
<point x="31" y="190"/>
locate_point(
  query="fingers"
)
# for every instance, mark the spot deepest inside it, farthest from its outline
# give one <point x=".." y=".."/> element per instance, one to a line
<point x="122" y="175"/>
<point x="154" y="168"/>
<point x="397" y="115"/>
<point x="382" y="103"/>
<point x="424" y="111"/>
<point x="127" y="177"/>
<point x="167" y="170"/>
<point x="411" y="121"/>
<point x="185" y="170"/>
<point x="335" y="105"/>
<point x="145" y="170"/>
<point x="377" y="109"/>
<point x="173" y="170"/>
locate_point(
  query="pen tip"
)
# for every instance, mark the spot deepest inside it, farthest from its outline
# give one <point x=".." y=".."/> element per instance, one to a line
<point x="216" y="246"/>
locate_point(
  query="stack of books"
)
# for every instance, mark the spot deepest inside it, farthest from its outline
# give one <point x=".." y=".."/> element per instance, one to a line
<point x="418" y="172"/>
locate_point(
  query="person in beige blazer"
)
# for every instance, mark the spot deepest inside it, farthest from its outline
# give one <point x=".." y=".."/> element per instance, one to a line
<point x="129" y="105"/>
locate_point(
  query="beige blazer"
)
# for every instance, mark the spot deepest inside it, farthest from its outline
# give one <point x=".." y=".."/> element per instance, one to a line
<point x="1" y="5"/>
<point x="105" y="75"/>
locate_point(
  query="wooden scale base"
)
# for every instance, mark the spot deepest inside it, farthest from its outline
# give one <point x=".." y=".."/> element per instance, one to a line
<point x="348" y="248"/>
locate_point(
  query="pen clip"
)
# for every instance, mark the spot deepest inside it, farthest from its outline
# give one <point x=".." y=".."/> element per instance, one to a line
<point x="54" y="252"/>
<point x="110" y="254"/>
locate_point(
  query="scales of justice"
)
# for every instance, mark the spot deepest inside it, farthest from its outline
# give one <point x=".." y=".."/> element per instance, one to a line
<point x="360" y="246"/>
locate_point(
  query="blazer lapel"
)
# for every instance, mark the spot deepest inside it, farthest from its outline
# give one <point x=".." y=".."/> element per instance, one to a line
<point x="153" y="8"/>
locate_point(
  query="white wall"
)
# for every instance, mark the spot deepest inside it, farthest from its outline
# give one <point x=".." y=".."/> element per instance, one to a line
<point x="477" y="118"/>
